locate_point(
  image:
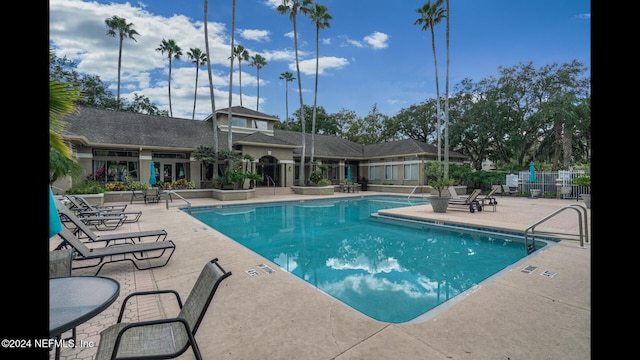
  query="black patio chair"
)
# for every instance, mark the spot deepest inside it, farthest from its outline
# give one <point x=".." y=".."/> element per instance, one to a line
<point x="163" y="338"/>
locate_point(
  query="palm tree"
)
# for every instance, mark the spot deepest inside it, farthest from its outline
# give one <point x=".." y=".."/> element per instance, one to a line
<point x="259" y="62"/>
<point x="229" y="112"/>
<point x="287" y="77"/>
<point x="214" y="122"/>
<point x="446" y="104"/>
<point x="198" y="58"/>
<point x="431" y="15"/>
<point x="320" y="17"/>
<point x="173" y="52"/>
<point x="119" y="26"/>
<point x="293" y="7"/>
<point x="240" y="53"/>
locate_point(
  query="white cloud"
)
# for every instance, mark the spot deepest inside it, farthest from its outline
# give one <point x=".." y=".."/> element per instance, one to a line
<point x="308" y="67"/>
<point x="377" y="40"/>
<point x="254" y="34"/>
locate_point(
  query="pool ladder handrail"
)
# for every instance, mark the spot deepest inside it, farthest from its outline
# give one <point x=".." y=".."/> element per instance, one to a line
<point x="583" y="235"/>
<point x="414" y="190"/>
<point x="270" y="179"/>
<point x="170" y="193"/>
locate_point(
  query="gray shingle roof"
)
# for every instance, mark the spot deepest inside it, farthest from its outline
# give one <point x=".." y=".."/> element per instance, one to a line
<point x="100" y="127"/>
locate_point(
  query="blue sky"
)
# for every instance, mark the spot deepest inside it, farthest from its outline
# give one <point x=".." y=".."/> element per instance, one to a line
<point x="371" y="54"/>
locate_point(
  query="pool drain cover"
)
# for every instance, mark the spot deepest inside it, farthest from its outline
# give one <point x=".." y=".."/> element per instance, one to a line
<point x="529" y="269"/>
<point x="252" y="272"/>
<point x="548" y="274"/>
<point x="266" y="268"/>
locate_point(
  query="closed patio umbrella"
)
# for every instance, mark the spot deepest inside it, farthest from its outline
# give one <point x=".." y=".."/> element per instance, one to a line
<point x="55" y="226"/>
<point x="532" y="173"/>
<point x="152" y="177"/>
<point x="348" y="173"/>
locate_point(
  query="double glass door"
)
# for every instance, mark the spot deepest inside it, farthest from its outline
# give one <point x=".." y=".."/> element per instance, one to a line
<point x="169" y="172"/>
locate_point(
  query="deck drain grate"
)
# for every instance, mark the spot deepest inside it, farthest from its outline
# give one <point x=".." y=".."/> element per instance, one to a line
<point x="266" y="268"/>
<point x="547" y="273"/>
<point x="252" y="272"/>
<point x="529" y="269"/>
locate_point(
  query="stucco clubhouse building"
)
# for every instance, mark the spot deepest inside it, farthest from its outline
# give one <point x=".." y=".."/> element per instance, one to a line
<point x="118" y="144"/>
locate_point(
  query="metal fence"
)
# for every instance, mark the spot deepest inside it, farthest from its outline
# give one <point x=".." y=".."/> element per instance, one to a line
<point x="547" y="184"/>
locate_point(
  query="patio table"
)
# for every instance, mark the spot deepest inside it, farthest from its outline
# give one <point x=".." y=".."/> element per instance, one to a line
<point x="76" y="299"/>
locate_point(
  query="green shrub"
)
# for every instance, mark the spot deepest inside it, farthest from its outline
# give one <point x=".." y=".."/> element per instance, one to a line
<point x="434" y="171"/>
<point x="323" y="182"/>
<point x="316" y="177"/>
<point x="88" y="187"/>
<point x="130" y="184"/>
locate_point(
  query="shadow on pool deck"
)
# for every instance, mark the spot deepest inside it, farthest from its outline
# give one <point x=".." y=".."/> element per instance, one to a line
<point x="516" y="315"/>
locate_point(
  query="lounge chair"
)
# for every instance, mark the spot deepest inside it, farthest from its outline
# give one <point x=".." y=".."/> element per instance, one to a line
<point x="80" y="202"/>
<point x="107" y="221"/>
<point x="83" y="208"/>
<point x="152" y="196"/>
<point x="163" y="338"/>
<point x="505" y="190"/>
<point x="83" y="231"/>
<point x="471" y="201"/>
<point x="489" y="199"/>
<point x="143" y="255"/>
<point x="454" y="194"/>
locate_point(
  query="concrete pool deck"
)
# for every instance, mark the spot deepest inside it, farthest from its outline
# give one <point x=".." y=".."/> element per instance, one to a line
<point x="515" y="315"/>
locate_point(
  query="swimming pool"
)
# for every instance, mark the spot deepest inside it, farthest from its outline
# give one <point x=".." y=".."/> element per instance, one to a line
<point x="388" y="272"/>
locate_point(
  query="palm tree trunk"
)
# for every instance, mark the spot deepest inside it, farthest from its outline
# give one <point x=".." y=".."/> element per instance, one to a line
<point x="214" y="121"/>
<point x="435" y="64"/>
<point x="240" y="79"/>
<point x="446" y="105"/>
<point x="119" y="67"/>
<point x="229" y="113"/>
<point x="286" y="100"/>
<point x="195" y="94"/>
<point x="302" y="179"/>
<point x="315" y="99"/>
<point x="170" y="109"/>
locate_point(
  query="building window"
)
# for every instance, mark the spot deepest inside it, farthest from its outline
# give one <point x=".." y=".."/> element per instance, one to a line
<point x="391" y="169"/>
<point x="374" y="172"/>
<point x="238" y="122"/>
<point x="410" y="168"/>
<point x="259" y="124"/>
<point x="110" y="165"/>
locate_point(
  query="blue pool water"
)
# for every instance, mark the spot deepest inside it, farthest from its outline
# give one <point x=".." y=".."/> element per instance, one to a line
<point x="389" y="272"/>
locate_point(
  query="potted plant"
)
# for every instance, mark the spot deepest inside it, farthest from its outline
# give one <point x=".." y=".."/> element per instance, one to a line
<point x="253" y="178"/>
<point x="435" y="178"/>
<point x="584" y="181"/>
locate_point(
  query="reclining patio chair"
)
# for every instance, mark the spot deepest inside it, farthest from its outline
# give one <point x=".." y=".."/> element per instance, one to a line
<point x="163" y="338"/>
<point x="489" y="198"/>
<point x="143" y="255"/>
<point x="505" y="190"/>
<point x="471" y="201"/>
<point x="82" y="203"/>
<point x="110" y="221"/>
<point x="83" y="208"/>
<point x="84" y="232"/>
<point x="454" y="194"/>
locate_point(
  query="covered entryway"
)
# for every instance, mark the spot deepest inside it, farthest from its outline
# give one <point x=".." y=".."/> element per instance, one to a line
<point x="268" y="168"/>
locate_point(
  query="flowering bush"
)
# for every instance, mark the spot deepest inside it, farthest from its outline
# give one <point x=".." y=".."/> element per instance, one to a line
<point x="315" y="177"/>
<point x="115" y="186"/>
<point x="98" y="176"/>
